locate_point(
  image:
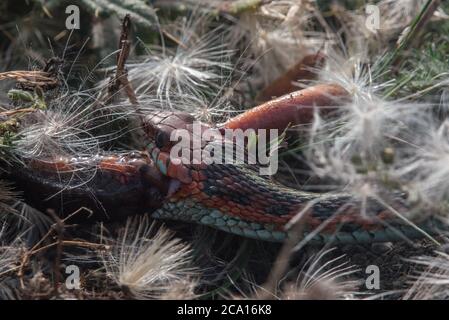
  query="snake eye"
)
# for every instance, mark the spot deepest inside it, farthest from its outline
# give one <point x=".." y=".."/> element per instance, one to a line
<point x="161" y="139"/>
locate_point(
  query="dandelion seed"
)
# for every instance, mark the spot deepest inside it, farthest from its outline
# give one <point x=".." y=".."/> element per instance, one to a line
<point x="424" y="165"/>
<point x="397" y="15"/>
<point x="58" y="132"/>
<point x="8" y="253"/>
<point x="31" y="223"/>
<point x="181" y="290"/>
<point x="9" y="258"/>
<point x="349" y="148"/>
<point x="22" y="219"/>
<point x="320" y="278"/>
<point x="340" y="146"/>
<point x="277" y="36"/>
<point x="354" y="73"/>
<point x="433" y="281"/>
<point x="198" y="64"/>
<point x="199" y="107"/>
<point x="324" y="279"/>
<point x="67" y="128"/>
<point x="7" y="199"/>
<point x="394" y="18"/>
<point x="148" y="264"/>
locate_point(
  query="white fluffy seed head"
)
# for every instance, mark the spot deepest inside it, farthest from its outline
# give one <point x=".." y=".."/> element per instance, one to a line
<point x="148" y="263"/>
<point x="9" y="254"/>
<point x="354" y="73"/>
<point x="432" y="282"/>
<point x="397" y="15"/>
<point x="68" y="127"/>
<point x="198" y="64"/>
<point x="370" y="29"/>
<point x="323" y="278"/>
<point x="7" y="199"/>
<point x="275" y="37"/>
<point x="425" y="163"/>
<point x="61" y="130"/>
<point x="362" y="147"/>
<point x="359" y="133"/>
<point x="199" y="107"/>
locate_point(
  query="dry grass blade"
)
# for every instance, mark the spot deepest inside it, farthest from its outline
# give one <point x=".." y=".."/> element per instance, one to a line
<point x="32" y="78"/>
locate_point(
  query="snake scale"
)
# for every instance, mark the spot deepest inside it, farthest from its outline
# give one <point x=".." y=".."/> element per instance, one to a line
<point x="235" y="198"/>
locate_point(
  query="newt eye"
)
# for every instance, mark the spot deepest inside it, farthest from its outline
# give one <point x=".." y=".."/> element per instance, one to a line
<point x="161" y="139"/>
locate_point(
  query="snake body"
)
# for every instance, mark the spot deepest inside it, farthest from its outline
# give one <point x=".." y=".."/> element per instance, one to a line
<point x="235" y="198"/>
<point x="232" y="197"/>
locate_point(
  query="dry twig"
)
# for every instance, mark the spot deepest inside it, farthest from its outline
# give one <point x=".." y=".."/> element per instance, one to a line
<point x="121" y="77"/>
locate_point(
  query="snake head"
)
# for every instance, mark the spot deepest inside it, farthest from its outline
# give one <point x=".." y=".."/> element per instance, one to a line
<point x="161" y="128"/>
